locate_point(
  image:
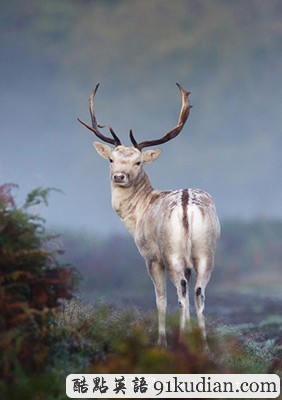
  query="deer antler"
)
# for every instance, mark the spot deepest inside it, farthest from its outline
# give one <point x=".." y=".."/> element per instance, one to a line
<point x="115" y="141"/>
<point x="184" y="113"/>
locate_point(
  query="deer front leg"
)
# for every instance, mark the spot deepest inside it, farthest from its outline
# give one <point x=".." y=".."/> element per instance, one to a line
<point x="157" y="274"/>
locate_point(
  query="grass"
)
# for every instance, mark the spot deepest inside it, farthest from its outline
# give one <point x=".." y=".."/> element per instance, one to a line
<point x="104" y="331"/>
<point x="105" y="339"/>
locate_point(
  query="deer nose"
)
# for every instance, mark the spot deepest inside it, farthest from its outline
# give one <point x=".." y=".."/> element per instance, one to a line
<point x="118" y="178"/>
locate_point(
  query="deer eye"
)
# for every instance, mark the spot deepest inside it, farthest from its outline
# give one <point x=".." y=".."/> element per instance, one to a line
<point x="138" y="163"/>
<point x="111" y="160"/>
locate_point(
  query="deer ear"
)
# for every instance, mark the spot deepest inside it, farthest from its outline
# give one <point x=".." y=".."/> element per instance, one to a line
<point x="103" y="150"/>
<point x="150" y="155"/>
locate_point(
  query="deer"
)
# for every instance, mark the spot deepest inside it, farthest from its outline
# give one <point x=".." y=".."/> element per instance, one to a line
<point x="175" y="231"/>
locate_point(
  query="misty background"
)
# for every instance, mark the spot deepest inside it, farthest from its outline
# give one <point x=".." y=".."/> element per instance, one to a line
<point x="227" y="53"/>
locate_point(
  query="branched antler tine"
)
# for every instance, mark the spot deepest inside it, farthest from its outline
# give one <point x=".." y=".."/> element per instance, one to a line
<point x="91" y="108"/>
<point x="184" y="113"/>
<point x="132" y="138"/>
<point x="186" y="106"/>
<point x="115" y="141"/>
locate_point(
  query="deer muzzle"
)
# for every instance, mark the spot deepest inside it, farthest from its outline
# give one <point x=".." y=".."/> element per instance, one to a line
<point x="120" y="178"/>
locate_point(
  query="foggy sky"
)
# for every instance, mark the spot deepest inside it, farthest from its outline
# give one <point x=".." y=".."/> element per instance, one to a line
<point x="229" y="147"/>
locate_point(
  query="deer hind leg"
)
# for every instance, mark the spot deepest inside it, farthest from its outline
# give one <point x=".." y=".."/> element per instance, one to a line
<point x="203" y="268"/>
<point x="180" y="276"/>
<point x="157" y="274"/>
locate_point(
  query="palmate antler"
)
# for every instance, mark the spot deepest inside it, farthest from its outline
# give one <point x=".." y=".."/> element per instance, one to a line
<point x="184" y="113"/>
<point x="115" y="141"/>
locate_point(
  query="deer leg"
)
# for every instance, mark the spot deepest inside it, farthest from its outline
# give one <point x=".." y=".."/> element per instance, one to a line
<point x="188" y="318"/>
<point x="180" y="278"/>
<point x="157" y="274"/>
<point x="203" y="271"/>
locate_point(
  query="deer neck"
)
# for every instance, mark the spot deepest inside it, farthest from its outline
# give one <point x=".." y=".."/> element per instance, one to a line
<point x="129" y="202"/>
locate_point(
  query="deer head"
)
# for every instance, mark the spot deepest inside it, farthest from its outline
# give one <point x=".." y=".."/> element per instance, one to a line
<point x="126" y="162"/>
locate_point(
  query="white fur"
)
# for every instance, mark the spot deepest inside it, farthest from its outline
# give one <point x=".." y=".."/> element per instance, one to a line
<point x="174" y="231"/>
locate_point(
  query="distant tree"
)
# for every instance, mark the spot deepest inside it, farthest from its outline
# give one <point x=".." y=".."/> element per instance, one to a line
<point x="32" y="282"/>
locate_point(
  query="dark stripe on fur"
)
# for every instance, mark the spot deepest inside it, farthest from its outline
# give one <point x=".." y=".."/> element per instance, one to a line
<point x="183" y="287"/>
<point x="185" y="199"/>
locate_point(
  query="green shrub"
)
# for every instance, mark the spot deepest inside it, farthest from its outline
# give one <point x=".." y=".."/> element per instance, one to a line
<point x="32" y="282"/>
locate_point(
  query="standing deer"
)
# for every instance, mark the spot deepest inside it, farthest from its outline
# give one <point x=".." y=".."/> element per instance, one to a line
<point x="175" y="230"/>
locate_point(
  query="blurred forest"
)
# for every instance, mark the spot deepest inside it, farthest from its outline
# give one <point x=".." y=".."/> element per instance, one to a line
<point x="47" y="28"/>
<point x="238" y="54"/>
<point x="248" y="262"/>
